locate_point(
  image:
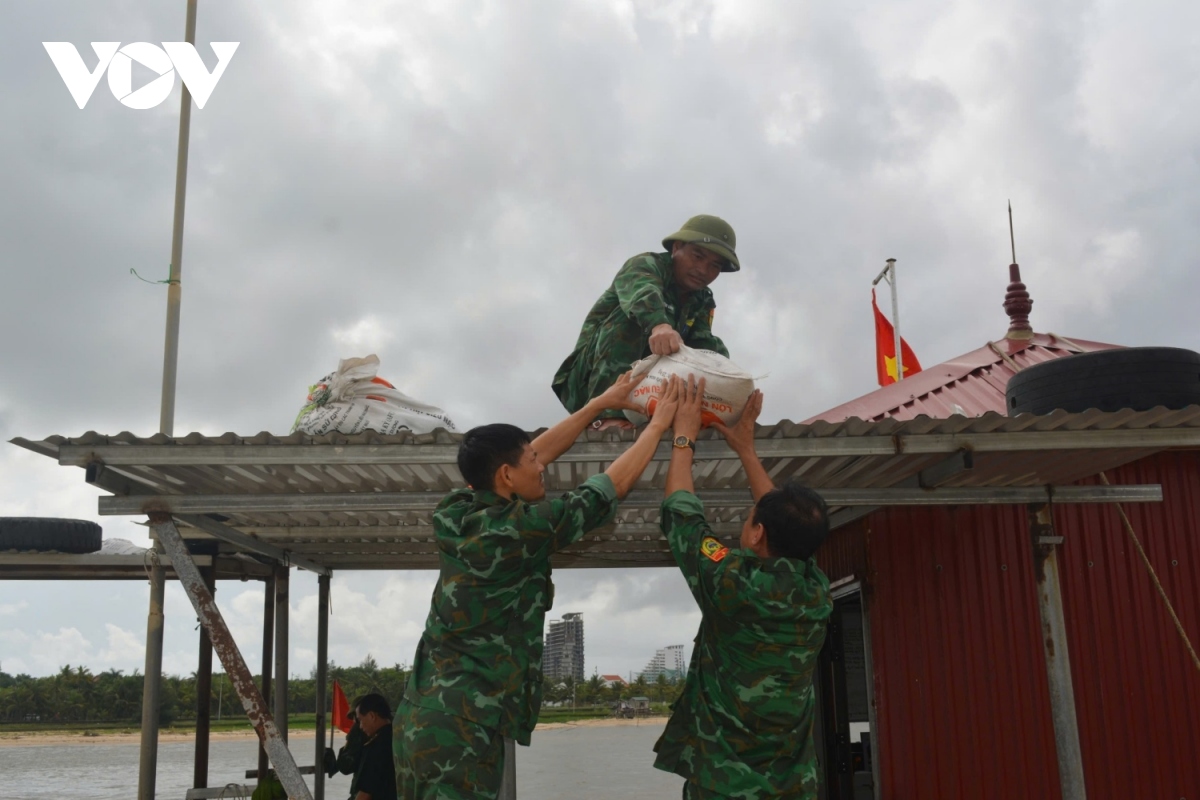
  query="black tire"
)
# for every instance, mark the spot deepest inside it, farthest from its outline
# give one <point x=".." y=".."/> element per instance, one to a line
<point x="46" y="534"/>
<point x="1137" y="378"/>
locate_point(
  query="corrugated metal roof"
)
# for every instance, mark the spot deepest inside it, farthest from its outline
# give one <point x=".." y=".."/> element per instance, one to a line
<point x="296" y="491"/>
<point x="970" y="385"/>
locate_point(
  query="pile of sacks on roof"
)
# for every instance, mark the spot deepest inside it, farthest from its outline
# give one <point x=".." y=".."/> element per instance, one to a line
<point x="353" y="398"/>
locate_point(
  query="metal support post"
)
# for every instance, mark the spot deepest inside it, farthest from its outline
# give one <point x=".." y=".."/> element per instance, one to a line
<point x="1058" y="660"/>
<point x="281" y="651"/>
<point x="231" y="658"/>
<point x="166" y="424"/>
<point x="322" y="678"/>
<point x="508" y="783"/>
<point x="204" y="693"/>
<point x="152" y="682"/>
<point x="267" y="660"/>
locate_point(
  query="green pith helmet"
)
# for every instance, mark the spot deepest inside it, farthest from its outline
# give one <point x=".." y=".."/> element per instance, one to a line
<point x="711" y="233"/>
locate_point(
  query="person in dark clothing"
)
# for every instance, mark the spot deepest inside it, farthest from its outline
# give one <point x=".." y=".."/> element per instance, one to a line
<point x="375" y="777"/>
<point x="349" y="755"/>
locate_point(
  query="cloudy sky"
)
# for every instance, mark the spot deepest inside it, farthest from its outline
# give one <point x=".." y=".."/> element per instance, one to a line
<point x="451" y="184"/>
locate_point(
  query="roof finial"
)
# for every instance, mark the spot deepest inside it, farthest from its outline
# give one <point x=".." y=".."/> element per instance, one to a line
<point x="1017" y="302"/>
<point x="1011" y="239"/>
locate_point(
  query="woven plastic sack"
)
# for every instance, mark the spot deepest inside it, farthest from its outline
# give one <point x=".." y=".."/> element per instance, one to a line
<point x="354" y="399"/>
<point x="726" y="385"/>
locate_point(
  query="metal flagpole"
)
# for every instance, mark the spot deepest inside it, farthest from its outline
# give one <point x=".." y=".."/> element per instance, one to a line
<point x="896" y="321"/>
<point x="889" y="274"/>
<point x="166" y="423"/>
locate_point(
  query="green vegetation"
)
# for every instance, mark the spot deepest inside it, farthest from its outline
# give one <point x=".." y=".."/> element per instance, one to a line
<point x="111" y="701"/>
<point x="75" y="699"/>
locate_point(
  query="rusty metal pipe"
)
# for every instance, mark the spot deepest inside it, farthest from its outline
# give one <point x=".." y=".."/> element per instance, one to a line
<point x="281" y="650"/>
<point x="203" y="695"/>
<point x="231" y="658"/>
<point x="267" y="660"/>
<point x="322" y="678"/>
<point x="152" y="682"/>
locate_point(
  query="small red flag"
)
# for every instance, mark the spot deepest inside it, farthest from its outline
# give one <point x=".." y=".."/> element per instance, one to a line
<point x="885" y="349"/>
<point x="341" y="710"/>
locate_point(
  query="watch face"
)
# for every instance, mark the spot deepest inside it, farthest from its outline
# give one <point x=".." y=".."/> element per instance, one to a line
<point x="681" y="441"/>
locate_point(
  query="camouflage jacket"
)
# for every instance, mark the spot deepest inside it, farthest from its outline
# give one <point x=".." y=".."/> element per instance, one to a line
<point x="743" y="725"/>
<point x="480" y="657"/>
<point x="616" y="331"/>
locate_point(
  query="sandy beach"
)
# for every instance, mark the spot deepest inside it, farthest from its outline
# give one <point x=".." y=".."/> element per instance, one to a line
<point x="34" y="738"/>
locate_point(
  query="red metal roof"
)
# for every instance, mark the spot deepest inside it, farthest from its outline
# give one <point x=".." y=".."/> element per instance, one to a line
<point x="971" y="384"/>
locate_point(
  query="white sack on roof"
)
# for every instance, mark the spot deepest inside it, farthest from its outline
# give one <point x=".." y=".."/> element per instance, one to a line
<point x="354" y="399"/>
<point x="726" y="385"/>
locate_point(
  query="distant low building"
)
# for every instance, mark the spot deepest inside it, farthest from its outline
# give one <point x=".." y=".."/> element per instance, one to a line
<point x="639" y="703"/>
<point x="610" y="681"/>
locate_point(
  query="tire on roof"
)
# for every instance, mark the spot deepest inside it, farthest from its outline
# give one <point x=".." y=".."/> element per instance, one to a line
<point x="1137" y="378"/>
<point x="48" y="534"/>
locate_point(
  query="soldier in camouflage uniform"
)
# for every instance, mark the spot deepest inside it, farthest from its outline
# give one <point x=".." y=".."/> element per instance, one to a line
<point x="657" y="302"/>
<point x="743" y="726"/>
<point x="477" y="676"/>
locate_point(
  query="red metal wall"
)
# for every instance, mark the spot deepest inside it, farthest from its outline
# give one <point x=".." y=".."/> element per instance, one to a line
<point x="960" y="685"/>
<point x="1137" y="691"/>
<point x="844" y="553"/>
<point x="961" y="693"/>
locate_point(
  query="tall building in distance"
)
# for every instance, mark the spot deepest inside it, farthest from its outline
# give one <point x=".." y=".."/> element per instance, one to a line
<point x="563" y="656"/>
<point x="668" y="661"/>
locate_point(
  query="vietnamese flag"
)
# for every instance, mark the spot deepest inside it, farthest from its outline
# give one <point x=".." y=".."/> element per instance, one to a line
<point x="885" y="349"/>
<point x="341" y="710"/>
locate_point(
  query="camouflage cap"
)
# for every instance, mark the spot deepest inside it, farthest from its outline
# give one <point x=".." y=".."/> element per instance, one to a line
<point x="711" y="233"/>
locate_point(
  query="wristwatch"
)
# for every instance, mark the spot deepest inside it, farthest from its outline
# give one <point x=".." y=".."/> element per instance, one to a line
<point x="683" y="441"/>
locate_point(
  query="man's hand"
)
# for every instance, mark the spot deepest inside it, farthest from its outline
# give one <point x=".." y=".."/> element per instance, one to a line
<point x="664" y="340"/>
<point x="616" y="397"/>
<point x="668" y="404"/>
<point x="740" y="435"/>
<point x="687" y="423"/>
<point x="629" y="466"/>
<point x="687" y="418"/>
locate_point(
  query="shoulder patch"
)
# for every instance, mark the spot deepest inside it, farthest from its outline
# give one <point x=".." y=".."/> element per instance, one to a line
<point x="713" y="550"/>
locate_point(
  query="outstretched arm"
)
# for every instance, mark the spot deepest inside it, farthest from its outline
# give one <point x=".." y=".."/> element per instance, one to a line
<point x="740" y="438"/>
<point x="557" y="440"/>
<point x="687" y="423"/>
<point x="625" y="471"/>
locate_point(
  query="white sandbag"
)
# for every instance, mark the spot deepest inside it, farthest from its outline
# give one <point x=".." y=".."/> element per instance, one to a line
<point x="354" y="399"/>
<point x="726" y="385"/>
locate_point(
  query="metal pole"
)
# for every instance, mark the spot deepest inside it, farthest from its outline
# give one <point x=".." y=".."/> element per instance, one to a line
<point x="204" y="694"/>
<point x="896" y="321"/>
<point x="231" y="658"/>
<point x="152" y="682"/>
<point x="508" y="783"/>
<point x="1058" y="660"/>
<point x="322" y="677"/>
<point x="166" y="424"/>
<point x="267" y="660"/>
<point x="281" y="651"/>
